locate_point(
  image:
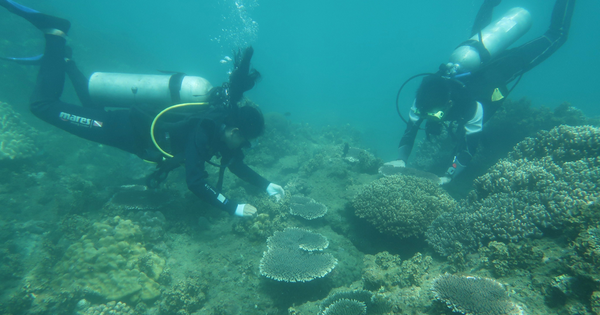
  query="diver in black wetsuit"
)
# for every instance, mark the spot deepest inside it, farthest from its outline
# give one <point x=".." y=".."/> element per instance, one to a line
<point x="222" y="131"/>
<point x="469" y="97"/>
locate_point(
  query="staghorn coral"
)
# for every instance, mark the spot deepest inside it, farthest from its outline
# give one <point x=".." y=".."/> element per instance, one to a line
<point x="473" y="295"/>
<point x="402" y="205"/>
<point x="16" y="137"/>
<point x="346" y="307"/>
<point x="544" y="184"/>
<point x="111" y="262"/>
<point x="291" y="256"/>
<point x="307" y="208"/>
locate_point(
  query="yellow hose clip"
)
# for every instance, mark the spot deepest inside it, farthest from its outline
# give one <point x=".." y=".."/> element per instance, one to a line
<point x="160" y="114"/>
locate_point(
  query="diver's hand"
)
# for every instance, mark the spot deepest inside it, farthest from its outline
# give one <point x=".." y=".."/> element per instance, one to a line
<point x="397" y="163"/>
<point x="242" y="78"/>
<point x="444" y="180"/>
<point x="275" y="190"/>
<point x="245" y="210"/>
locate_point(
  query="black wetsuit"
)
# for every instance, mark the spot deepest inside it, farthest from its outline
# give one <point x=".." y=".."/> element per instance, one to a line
<point x="193" y="142"/>
<point x="494" y="75"/>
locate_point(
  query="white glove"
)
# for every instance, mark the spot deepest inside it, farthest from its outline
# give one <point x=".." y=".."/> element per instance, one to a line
<point x="245" y="210"/>
<point x="444" y="180"/>
<point x="397" y="163"/>
<point x="275" y="190"/>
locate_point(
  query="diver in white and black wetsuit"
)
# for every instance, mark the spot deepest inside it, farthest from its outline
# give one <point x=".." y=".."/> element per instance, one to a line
<point x="472" y="86"/>
<point x="193" y="141"/>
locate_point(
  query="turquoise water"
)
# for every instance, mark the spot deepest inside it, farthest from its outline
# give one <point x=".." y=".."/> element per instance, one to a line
<point x="324" y="62"/>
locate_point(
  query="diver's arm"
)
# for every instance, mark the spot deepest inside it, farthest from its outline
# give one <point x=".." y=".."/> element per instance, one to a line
<point x="469" y="145"/>
<point x="195" y="155"/>
<point x="243" y="171"/>
<point x="484" y="16"/>
<point x="408" y="139"/>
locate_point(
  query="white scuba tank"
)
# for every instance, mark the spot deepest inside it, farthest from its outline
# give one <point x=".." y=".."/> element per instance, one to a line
<point x="156" y="91"/>
<point x="496" y="37"/>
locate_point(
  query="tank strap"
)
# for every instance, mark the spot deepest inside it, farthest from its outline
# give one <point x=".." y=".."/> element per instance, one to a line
<point x="175" y="82"/>
<point x="484" y="54"/>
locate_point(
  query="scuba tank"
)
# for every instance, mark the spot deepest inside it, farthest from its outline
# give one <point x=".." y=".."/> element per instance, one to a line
<point x="490" y="41"/>
<point x="469" y="56"/>
<point x="154" y="91"/>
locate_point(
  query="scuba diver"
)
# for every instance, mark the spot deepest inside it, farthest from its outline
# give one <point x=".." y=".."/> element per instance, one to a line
<point x="473" y="85"/>
<point x="222" y="130"/>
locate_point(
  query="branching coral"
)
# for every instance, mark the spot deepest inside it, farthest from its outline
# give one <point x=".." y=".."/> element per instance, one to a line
<point x="402" y="205"/>
<point x="543" y="184"/>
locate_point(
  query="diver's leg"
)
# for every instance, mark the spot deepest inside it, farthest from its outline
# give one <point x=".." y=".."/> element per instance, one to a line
<point x="42" y="21"/>
<point x="515" y="62"/>
<point x="543" y="47"/>
<point x="484" y="16"/>
<point x="79" y="81"/>
<point x="111" y="128"/>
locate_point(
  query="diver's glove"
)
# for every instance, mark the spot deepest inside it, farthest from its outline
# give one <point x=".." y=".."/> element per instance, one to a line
<point x="242" y="78"/>
<point x="245" y="210"/>
<point x="275" y="190"/>
<point x="455" y="169"/>
<point x="444" y="180"/>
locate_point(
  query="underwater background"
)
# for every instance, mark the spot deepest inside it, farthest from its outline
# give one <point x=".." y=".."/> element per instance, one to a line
<point x="80" y="234"/>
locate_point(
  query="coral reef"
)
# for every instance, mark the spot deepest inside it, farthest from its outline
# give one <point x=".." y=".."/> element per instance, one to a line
<point x="16" y="137"/>
<point x="362" y="159"/>
<point x="563" y="143"/>
<point x="473" y="295"/>
<point x="544" y="184"/>
<point x="186" y="297"/>
<point x="112" y="263"/>
<point x="272" y="216"/>
<point x="503" y="259"/>
<point x="152" y="224"/>
<point x="113" y="307"/>
<point x="402" y="205"/>
<point x="387" y="270"/>
<point x="306" y="208"/>
<point x="291" y="258"/>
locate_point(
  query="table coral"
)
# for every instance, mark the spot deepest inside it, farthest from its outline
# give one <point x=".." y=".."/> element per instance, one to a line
<point x="111" y="262"/>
